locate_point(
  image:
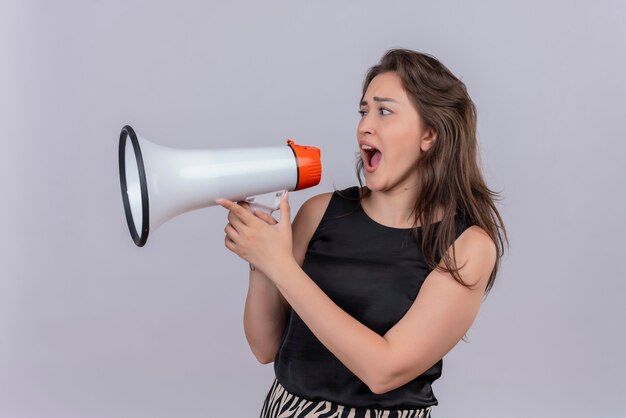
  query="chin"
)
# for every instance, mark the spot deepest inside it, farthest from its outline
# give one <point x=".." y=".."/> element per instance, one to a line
<point x="372" y="185"/>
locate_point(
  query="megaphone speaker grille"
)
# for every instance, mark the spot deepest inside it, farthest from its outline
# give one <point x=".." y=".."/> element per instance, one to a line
<point x="135" y="199"/>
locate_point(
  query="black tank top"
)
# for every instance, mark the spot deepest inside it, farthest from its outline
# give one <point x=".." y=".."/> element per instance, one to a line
<point x="373" y="272"/>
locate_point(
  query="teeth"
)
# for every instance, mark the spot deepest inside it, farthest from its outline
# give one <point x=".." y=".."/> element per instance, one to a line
<point x="367" y="147"/>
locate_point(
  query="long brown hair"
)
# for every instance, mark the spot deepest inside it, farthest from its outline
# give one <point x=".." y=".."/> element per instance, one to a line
<point x="449" y="174"/>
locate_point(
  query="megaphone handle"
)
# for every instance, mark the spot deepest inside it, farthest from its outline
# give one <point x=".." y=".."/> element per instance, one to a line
<point x="269" y="208"/>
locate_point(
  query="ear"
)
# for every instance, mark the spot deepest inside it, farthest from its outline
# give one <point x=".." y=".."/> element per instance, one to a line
<point x="428" y="139"/>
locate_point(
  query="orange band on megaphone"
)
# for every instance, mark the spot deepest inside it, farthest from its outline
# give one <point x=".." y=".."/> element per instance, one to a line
<point x="309" y="165"/>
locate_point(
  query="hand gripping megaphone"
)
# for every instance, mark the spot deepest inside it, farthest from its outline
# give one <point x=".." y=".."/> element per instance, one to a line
<point x="159" y="183"/>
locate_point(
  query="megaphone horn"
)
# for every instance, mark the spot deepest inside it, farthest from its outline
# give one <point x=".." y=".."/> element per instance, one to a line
<point x="159" y="183"/>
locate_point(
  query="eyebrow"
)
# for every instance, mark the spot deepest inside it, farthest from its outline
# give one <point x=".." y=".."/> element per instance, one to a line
<point x="379" y="99"/>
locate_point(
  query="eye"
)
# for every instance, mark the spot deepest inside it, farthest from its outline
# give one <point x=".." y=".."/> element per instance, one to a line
<point x="383" y="111"/>
<point x="362" y="112"/>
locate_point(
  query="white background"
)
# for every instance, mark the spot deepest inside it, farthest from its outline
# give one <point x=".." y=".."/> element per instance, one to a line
<point x="92" y="326"/>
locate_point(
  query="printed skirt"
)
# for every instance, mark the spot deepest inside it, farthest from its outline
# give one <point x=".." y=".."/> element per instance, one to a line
<point x="281" y="404"/>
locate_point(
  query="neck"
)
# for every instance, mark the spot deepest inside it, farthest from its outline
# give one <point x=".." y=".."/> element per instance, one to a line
<point x="392" y="208"/>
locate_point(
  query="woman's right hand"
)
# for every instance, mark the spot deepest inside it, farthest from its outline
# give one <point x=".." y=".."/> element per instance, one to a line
<point x="259" y="214"/>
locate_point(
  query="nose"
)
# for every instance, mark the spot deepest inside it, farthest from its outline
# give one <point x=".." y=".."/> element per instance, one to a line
<point x="366" y="126"/>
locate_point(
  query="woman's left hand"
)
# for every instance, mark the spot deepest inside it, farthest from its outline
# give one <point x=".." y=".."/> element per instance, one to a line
<point x="254" y="240"/>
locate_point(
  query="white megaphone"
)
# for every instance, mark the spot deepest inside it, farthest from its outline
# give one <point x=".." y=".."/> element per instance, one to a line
<point x="159" y="183"/>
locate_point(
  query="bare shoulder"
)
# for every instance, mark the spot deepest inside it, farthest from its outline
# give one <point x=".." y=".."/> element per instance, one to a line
<point x="316" y="205"/>
<point x="475" y="249"/>
<point x="477" y="241"/>
<point x="306" y="222"/>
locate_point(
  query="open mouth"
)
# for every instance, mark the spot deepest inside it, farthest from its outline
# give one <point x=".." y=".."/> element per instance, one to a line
<point x="371" y="157"/>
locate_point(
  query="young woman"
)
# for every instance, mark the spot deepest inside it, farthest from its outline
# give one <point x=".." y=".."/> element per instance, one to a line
<point x="358" y="300"/>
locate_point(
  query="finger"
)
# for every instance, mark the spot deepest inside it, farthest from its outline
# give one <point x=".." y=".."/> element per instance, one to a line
<point x="285" y="216"/>
<point x="248" y="207"/>
<point x="266" y="217"/>
<point x="229" y="243"/>
<point x="238" y="210"/>
<point x="235" y="221"/>
<point x="231" y="232"/>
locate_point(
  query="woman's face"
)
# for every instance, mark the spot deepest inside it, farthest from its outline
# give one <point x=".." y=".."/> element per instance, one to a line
<point x="391" y="135"/>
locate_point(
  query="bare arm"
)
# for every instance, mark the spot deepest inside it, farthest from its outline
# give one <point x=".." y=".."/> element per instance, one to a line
<point x="264" y="317"/>
<point x="266" y="309"/>
<point x="442" y="312"/>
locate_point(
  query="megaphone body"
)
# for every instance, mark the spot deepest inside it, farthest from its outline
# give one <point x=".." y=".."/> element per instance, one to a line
<point x="159" y="183"/>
